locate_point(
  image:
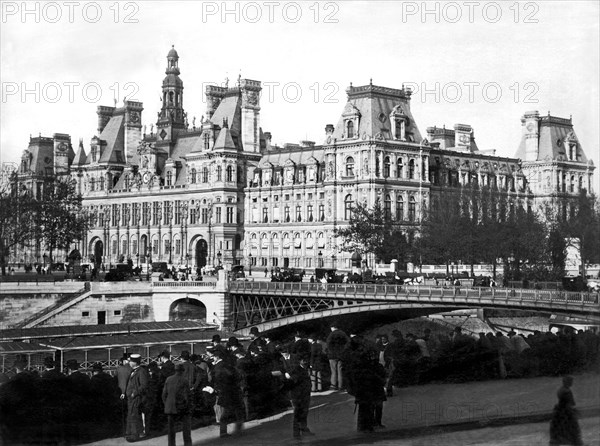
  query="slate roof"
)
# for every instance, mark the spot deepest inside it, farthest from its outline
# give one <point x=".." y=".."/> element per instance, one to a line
<point x="375" y="105"/>
<point x="80" y="156"/>
<point x="553" y="132"/>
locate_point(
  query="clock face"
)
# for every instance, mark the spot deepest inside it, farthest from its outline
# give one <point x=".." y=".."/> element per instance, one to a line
<point x="146" y="177"/>
<point x="530" y="126"/>
<point x="464" y="138"/>
<point x="134" y="117"/>
<point x="62" y="147"/>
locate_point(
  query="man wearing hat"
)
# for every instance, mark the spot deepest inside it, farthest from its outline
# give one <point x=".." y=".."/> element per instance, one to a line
<point x="255" y="338"/>
<point x="224" y="384"/>
<point x="136" y="395"/>
<point x="176" y="397"/>
<point x="123" y="372"/>
<point x="167" y="368"/>
<point x="104" y="395"/>
<point x="79" y="380"/>
<point x="50" y="371"/>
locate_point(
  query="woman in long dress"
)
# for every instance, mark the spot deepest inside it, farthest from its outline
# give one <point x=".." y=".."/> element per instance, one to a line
<point x="564" y="428"/>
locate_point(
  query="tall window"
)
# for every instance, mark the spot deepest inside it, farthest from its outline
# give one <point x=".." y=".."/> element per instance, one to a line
<point x="204" y="216"/>
<point x="115" y="214"/>
<point x="219" y="173"/>
<point x="265" y="214"/>
<point x="92" y="184"/>
<point x="177" y="212"/>
<point x="229" y="214"/>
<point x="145" y="213"/>
<point x="386" y="167"/>
<point x="321" y="212"/>
<point x="388" y="206"/>
<point x="350" y="129"/>
<point x="206" y="141"/>
<point x="412" y="209"/>
<point x="205" y="174"/>
<point x="399" y="167"/>
<point x="218" y="215"/>
<point x="229" y="173"/>
<point x="349" y="166"/>
<point x="399" y="209"/>
<point x="193" y="216"/>
<point x="155" y="213"/>
<point x="298" y="213"/>
<point x="309" y="211"/>
<point x="348" y="204"/>
<point x="101" y="183"/>
<point x="286" y="213"/>
<point x="193" y="176"/>
<point x="169" y="178"/>
<point x="167" y="210"/>
<point x="411" y="169"/>
<point x="572" y="185"/>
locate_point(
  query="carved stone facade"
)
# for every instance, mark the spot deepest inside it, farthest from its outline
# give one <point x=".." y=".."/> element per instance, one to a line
<point x="218" y="191"/>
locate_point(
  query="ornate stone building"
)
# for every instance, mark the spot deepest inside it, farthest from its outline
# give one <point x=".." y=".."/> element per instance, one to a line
<point x="218" y="190"/>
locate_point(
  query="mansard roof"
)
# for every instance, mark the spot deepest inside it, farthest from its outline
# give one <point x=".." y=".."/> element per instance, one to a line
<point x="553" y="134"/>
<point x="374" y="104"/>
<point x="224" y="140"/>
<point x="114" y="137"/>
<point x="280" y="158"/>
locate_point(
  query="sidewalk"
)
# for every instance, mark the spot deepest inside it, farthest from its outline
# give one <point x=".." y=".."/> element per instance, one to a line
<point x="420" y="412"/>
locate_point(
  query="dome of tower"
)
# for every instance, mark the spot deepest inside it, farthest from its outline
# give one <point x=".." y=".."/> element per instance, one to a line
<point x="173" y="53"/>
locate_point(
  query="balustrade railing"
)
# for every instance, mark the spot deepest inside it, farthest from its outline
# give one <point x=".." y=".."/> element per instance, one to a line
<point x="420" y="292"/>
<point x="184" y="284"/>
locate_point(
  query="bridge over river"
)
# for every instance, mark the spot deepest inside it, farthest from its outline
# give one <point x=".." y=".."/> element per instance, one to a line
<point x="273" y="304"/>
<point x="239" y="305"/>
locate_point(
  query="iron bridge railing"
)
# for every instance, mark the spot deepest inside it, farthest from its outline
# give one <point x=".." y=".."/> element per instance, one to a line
<point x="552" y="300"/>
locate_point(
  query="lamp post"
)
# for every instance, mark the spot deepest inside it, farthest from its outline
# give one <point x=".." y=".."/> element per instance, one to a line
<point x="250" y="264"/>
<point x="45" y="257"/>
<point x="219" y="255"/>
<point x="332" y="261"/>
<point x="320" y="256"/>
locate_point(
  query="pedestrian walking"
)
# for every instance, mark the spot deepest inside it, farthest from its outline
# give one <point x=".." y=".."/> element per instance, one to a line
<point x="564" y="427"/>
<point x="299" y="385"/>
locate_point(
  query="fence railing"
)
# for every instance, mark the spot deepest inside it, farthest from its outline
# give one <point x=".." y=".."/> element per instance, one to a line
<point x="503" y="296"/>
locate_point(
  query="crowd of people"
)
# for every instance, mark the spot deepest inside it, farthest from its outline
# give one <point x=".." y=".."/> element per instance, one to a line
<point x="234" y="383"/>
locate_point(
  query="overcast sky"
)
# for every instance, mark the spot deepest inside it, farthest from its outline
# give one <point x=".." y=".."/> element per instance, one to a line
<point x="481" y="63"/>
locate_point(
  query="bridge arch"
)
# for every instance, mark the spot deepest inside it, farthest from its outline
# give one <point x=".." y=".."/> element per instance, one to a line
<point x="187" y="309"/>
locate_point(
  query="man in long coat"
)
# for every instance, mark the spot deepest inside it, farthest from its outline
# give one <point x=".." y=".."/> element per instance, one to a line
<point x="176" y="397"/>
<point x="229" y="397"/>
<point x="136" y="395"/>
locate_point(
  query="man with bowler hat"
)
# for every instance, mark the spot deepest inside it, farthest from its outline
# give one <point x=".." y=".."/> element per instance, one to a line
<point x="176" y="398"/>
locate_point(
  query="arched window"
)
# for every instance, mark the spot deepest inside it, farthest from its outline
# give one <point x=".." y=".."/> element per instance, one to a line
<point x="572" y="185"/>
<point x="229" y="173"/>
<point x="399" y="167"/>
<point x="219" y="173"/>
<point x="169" y="178"/>
<point x="170" y="97"/>
<point x="580" y="183"/>
<point x="348" y="204"/>
<point x="193" y="176"/>
<point x="349" y="166"/>
<point x="350" y="129"/>
<point x="399" y="209"/>
<point x="386" y="167"/>
<point x="388" y="206"/>
<point x="412" y="209"/>
<point x="411" y="170"/>
<point x="205" y="174"/>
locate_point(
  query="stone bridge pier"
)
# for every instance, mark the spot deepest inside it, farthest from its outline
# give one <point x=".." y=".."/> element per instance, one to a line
<point x="191" y="300"/>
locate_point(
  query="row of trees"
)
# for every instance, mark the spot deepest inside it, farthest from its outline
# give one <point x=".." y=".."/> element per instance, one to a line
<point x="52" y="219"/>
<point x="481" y="226"/>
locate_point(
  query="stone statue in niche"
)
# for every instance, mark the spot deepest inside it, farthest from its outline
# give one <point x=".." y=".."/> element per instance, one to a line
<point x="366" y="167"/>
